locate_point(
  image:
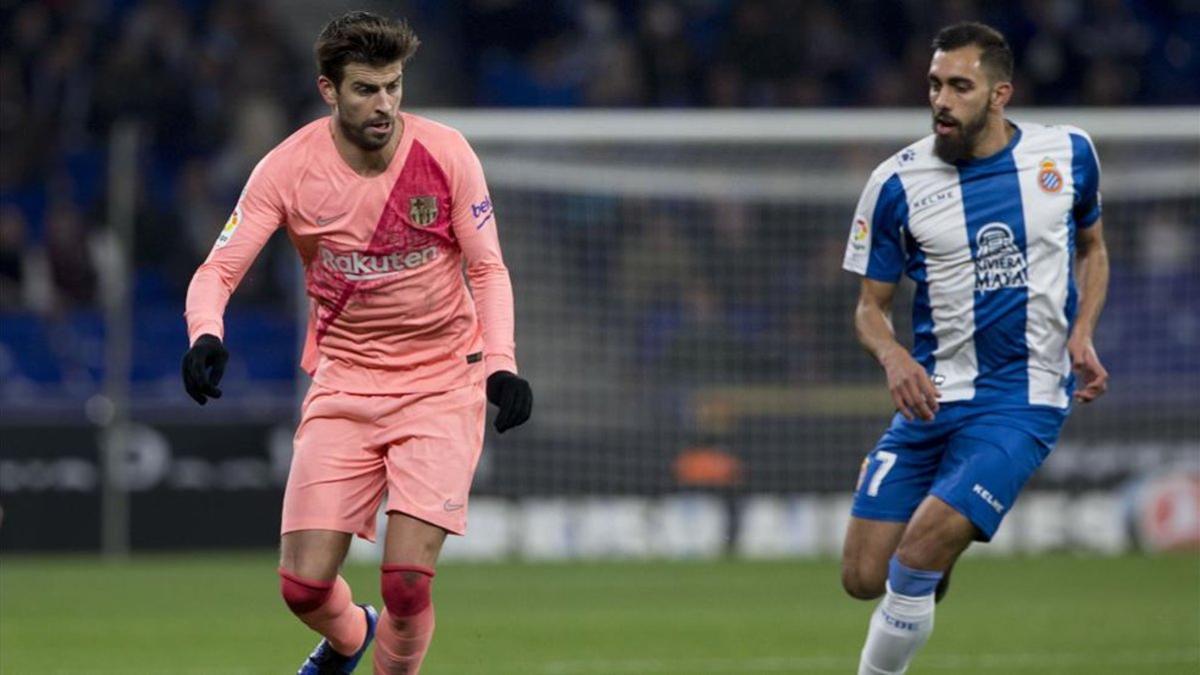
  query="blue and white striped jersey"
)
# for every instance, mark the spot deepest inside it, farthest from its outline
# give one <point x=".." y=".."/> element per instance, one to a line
<point x="990" y="244"/>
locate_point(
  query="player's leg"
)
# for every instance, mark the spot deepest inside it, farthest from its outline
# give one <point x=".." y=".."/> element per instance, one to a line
<point x="406" y="581"/>
<point x="935" y="537"/>
<point x="894" y="478"/>
<point x="313" y="554"/>
<point x="430" y="468"/>
<point x="334" y="489"/>
<point x="316" y="593"/>
<point x="903" y="621"/>
<point x="868" y="546"/>
<point x="985" y="466"/>
<point x="943" y="586"/>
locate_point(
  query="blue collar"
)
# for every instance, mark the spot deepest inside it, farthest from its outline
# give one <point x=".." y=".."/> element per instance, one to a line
<point x="980" y="162"/>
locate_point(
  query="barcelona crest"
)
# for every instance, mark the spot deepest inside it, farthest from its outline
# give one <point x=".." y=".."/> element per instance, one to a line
<point x="1049" y="179"/>
<point x="423" y="211"/>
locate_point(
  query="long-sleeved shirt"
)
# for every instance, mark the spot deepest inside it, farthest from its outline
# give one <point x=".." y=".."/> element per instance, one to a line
<point x="390" y="310"/>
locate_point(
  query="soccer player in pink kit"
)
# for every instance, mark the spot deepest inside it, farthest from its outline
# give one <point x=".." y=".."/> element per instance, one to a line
<point x="383" y="207"/>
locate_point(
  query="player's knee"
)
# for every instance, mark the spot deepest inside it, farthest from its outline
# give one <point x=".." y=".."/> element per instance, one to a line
<point x="934" y="549"/>
<point x="935" y="541"/>
<point x="406" y="589"/>
<point x="923" y="554"/>
<point x="862" y="584"/>
<point x="303" y="595"/>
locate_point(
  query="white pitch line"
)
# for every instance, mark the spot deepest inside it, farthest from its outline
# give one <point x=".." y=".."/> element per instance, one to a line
<point x="174" y="670"/>
<point x="949" y="662"/>
<point x="782" y="664"/>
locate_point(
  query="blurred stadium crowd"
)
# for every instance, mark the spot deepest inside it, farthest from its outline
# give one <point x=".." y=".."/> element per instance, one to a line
<point x="734" y="53"/>
<point x="215" y="84"/>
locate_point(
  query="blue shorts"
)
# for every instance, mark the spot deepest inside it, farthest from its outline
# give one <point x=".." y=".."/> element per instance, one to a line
<point x="974" y="457"/>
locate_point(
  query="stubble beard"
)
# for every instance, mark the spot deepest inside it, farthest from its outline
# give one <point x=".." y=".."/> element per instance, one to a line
<point x="359" y="137"/>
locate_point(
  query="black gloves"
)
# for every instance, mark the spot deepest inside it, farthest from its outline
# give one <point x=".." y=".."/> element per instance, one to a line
<point x="203" y="366"/>
<point x="512" y="396"/>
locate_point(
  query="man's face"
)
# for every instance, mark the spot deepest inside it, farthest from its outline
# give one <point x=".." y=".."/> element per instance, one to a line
<point x="367" y="103"/>
<point x="959" y="93"/>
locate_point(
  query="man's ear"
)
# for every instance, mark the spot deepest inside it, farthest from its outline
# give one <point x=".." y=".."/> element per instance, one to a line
<point x="328" y="89"/>
<point x="1001" y="95"/>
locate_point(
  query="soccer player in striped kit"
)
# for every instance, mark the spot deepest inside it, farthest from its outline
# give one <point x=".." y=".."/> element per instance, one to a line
<point x="995" y="221"/>
<point x="385" y="209"/>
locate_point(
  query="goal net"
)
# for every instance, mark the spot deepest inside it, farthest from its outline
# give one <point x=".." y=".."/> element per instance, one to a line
<point x="684" y="319"/>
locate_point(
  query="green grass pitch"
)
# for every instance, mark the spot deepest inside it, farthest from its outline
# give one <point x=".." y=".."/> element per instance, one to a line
<point x="213" y="614"/>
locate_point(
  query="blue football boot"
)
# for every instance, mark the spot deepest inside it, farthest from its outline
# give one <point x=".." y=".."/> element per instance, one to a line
<point x="325" y="661"/>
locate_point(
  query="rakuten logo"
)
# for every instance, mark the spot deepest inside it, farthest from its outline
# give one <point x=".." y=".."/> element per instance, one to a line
<point x="357" y="266"/>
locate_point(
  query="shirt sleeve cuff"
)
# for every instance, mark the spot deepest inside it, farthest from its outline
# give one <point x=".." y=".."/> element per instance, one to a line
<point x="885" y="277"/>
<point x="1090" y="218"/>
<point x="206" y="328"/>
<point x="497" y="362"/>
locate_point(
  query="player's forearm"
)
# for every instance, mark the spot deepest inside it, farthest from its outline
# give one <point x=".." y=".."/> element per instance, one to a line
<point x="207" y="295"/>
<point x="1092" y="265"/>
<point x="219" y="275"/>
<point x="492" y="290"/>
<point x="875" y="332"/>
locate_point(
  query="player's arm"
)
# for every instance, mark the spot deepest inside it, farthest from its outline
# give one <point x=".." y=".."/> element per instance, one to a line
<point x="876" y="252"/>
<point x="912" y="390"/>
<point x="474" y="223"/>
<point x="255" y="218"/>
<point x="1092" y="268"/>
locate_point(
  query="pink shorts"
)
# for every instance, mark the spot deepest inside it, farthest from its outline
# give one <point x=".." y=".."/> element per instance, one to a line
<point x="421" y="447"/>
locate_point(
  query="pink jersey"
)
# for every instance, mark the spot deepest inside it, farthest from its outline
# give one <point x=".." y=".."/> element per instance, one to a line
<point x="390" y="311"/>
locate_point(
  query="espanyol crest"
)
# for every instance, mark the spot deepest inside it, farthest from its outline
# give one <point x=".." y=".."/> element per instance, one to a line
<point x="1049" y="179"/>
<point x="423" y="210"/>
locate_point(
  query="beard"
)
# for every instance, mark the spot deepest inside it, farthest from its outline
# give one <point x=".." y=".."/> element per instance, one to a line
<point x="959" y="144"/>
<point x="361" y="136"/>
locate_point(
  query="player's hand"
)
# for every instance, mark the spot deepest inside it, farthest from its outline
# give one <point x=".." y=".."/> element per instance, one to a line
<point x="1088" y="368"/>
<point x="512" y="396"/>
<point x="203" y="366"/>
<point x="912" y="390"/>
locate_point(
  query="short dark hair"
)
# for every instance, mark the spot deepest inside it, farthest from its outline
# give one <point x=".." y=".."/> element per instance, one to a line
<point x="362" y="37"/>
<point x="995" y="54"/>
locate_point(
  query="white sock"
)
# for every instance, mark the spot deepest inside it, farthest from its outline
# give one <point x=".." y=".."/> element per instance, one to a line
<point x="899" y="626"/>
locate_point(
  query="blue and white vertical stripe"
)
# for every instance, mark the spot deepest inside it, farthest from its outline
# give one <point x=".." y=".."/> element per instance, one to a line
<point x="990" y="246"/>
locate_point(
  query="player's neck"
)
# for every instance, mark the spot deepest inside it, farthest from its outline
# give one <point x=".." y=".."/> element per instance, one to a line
<point x="995" y="137"/>
<point x="367" y="163"/>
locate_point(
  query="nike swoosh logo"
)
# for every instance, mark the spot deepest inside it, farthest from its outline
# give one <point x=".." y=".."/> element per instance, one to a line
<point x="322" y="222"/>
<point x="451" y="506"/>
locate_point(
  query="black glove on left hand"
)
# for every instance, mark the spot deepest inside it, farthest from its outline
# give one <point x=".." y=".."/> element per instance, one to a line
<point x="512" y="396"/>
<point x="203" y="366"/>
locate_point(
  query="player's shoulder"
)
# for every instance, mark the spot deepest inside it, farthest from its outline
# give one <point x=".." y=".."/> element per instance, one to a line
<point x="297" y="149"/>
<point x="438" y="138"/>
<point x="913" y="160"/>
<point x="1036" y="129"/>
<point x="1063" y="143"/>
<point x="1080" y="139"/>
<point x="1033" y="133"/>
